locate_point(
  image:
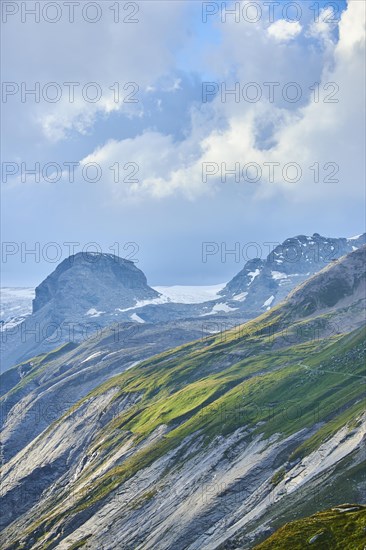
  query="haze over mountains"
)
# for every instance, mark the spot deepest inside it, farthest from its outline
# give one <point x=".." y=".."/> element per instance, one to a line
<point x="213" y="444"/>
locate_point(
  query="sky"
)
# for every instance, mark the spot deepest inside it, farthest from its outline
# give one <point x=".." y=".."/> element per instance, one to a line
<point x="177" y="134"/>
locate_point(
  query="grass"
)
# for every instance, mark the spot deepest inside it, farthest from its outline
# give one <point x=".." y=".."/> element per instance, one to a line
<point x="38" y="365"/>
<point x="278" y="476"/>
<point x="328" y="530"/>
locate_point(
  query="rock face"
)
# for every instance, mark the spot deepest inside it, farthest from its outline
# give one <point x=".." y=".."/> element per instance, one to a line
<point x="263" y="283"/>
<point x="93" y="281"/>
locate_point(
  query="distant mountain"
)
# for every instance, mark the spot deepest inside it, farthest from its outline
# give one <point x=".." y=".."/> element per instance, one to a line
<point x="263" y="283"/>
<point x="214" y="444"/>
<point x="96" y="283"/>
<point x="84" y="294"/>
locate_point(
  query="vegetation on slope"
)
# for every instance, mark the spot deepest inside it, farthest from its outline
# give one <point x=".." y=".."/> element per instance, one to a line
<point x="340" y="528"/>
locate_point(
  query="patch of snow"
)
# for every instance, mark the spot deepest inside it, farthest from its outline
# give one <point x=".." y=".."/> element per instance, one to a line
<point x="219" y="308"/>
<point x="354" y="248"/>
<point x="190" y="294"/>
<point x="92" y="356"/>
<point x="136" y="318"/>
<point x="142" y="303"/>
<point x="277" y="275"/>
<point x="223" y="307"/>
<point x="240" y="297"/>
<point x="92" y="312"/>
<point x="253" y="275"/>
<point x="355" y="237"/>
<point x="12" y="323"/>
<point x="268" y="302"/>
<point x="180" y="295"/>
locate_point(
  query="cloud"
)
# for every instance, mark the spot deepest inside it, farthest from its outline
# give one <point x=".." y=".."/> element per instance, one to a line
<point x="325" y="134"/>
<point x="323" y="27"/>
<point x="170" y="144"/>
<point x="283" y="30"/>
<point x="104" y="53"/>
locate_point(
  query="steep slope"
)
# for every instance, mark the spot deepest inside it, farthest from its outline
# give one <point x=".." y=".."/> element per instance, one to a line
<point x="37" y="392"/>
<point x="211" y="444"/>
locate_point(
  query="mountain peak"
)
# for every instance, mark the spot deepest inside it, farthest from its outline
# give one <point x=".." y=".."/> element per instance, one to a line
<point x="264" y="282"/>
<point x="87" y="280"/>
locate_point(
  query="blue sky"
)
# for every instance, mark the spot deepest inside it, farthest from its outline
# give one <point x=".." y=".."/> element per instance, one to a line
<point x="169" y="137"/>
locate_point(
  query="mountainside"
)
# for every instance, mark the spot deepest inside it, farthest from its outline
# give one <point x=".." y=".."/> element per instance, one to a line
<point x="214" y="444"/>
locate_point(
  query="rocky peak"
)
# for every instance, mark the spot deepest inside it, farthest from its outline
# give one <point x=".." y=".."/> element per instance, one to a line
<point x="87" y="280"/>
<point x="264" y="282"/>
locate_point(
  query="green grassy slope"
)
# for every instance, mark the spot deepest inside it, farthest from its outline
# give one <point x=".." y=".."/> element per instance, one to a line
<point x="341" y="528"/>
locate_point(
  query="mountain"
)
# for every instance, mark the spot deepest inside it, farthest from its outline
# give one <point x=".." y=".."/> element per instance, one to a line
<point x="214" y="444"/>
<point x="88" y="292"/>
<point x="263" y="283"/>
<point x="85" y="293"/>
<point x="91" y="282"/>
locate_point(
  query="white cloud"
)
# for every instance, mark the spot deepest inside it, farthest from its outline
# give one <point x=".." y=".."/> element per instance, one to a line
<point x="81" y="52"/>
<point x="283" y="30"/>
<point x="227" y="131"/>
<point x="160" y="167"/>
<point x="319" y="132"/>
<point x="324" y="26"/>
